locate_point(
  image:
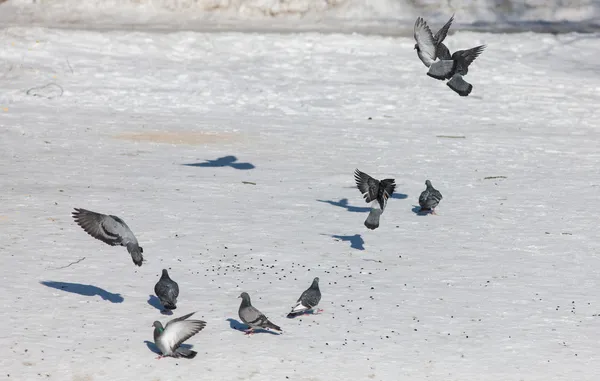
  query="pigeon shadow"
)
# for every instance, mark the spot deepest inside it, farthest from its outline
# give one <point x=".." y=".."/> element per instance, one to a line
<point x="356" y="241"/>
<point x="417" y="210"/>
<point x="399" y="196"/>
<point x="225" y="161"/>
<point x="155" y="349"/>
<point x="239" y="326"/>
<point x="343" y="203"/>
<point x="155" y="302"/>
<point x="85" y="290"/>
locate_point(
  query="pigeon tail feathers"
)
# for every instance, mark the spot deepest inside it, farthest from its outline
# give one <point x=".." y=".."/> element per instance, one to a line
<point x="185" y="353"/>
<point x="459" y="85"/>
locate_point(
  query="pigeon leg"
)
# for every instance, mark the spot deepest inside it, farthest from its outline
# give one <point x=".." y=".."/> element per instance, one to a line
<point x="249" y="331"/>
<point x="159" y="357"/>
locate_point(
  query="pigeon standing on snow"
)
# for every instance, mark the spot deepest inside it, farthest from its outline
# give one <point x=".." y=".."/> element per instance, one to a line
<point x="430" y="47"/>
<point x="167" y="291"/>
<point x="455" y="68"/>
<point x="309" y="299"/>
<point x="169" y="338"/>
<point x="252" y="317"/>
<point x="111" y="230"/>
<point x="374" y="191"/>
<point x="429" y="198"/>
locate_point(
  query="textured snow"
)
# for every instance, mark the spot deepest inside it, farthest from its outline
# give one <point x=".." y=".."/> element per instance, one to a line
<point x="230" y="155"/>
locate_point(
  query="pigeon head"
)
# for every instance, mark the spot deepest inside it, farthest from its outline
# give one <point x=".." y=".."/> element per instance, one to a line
<point x="316" y="280"/>
<point x="165" y="273"/>
<point x="428" y="183"/>
<point x="157" y="324"/>
<point x="417" y="47"/>
<point x="245" y="297"/>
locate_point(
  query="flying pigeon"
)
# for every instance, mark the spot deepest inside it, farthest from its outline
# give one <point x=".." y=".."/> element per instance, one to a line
<point x="374" y="191"/>
<point x="167" y="291"/>
<point x="455" y="68"/>
<point x="252" y="317"/>
<point x="430" y="47"/>
<point x="429" y="198"/>
<point x="308" y="300"/>
<point x="169" y="338"/>
<point x="111" y="230"/>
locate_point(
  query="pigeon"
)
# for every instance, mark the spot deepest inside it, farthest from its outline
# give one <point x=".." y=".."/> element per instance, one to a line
<point x="252" y="317"/>
<point x="169" y="338"/>
<point x="111" y="230"/>
<point x="167" y="291"/>
<point x="374" y="191"/>
<point x="429" y="198"/>
<point x="455" y="69"/>
<point x="430" y="47"/>
<point x="308" y="300"/>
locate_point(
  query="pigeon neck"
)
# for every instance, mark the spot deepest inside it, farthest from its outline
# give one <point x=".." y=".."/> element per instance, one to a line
<point x="246" y="302"/>
<point x="315" y="285"/>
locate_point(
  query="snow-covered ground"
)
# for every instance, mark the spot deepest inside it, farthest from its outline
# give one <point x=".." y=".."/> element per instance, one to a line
<point x="503" y="284"/>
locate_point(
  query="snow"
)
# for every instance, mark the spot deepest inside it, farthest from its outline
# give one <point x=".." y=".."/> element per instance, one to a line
<point x="230" y="155"/>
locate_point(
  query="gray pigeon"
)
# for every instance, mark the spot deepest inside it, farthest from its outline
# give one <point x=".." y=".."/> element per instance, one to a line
<point x="111" y="230"/>
<point x="430" y="47"/>
<point x="169" y="338"/>
<point x="455" y="68"/>
<point x="167" y="291"/>
<point x="309" y="299"/>
<point x="252" y="317"/>
<point x="374" y="191"/>
<point x="429" y="198"/>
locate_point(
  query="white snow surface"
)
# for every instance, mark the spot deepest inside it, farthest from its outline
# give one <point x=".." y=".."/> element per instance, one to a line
<point x="503" y="284"/>
<point x="376" y="16"/>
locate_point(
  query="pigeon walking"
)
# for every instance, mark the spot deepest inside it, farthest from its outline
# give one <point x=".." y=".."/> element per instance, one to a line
<point x="309" y="299"/>
<point x="429" y="198"/>
<point x="167" y="291"/>
<point x="429" y="47"/>
<point x="455" y="68"/>
<point x="111" y="230"/>
<point x="374" y="191"/>
<point x="252" y="317"/>
<point x="169" y="338"/>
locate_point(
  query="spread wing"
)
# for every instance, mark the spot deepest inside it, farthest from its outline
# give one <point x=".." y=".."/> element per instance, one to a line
<point x="179" y="330"/>
<point x="424" y="38"/>
<point x="368" y="186"/>
<point x="441" y="34"/>
<point x="100" y="226"/>
<point x="469" y="55"/>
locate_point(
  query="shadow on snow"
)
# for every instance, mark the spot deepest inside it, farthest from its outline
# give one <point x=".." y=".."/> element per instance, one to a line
<point x="85" y="290"/>
<point x="356" y="241"/>
<point x="225" y="161"/>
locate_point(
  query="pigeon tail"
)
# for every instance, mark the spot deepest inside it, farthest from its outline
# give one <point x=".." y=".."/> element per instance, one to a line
<point x="185" y="353"/>
<point x="459" y="85"/>
<point x="136" y="253"/>
<point x="268" y="324"/>
<point x="442" y="69"/>
<point x="372" y="221"/>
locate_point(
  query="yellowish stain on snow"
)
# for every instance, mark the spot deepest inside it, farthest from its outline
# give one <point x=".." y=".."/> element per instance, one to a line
<point x="178" y="137"/>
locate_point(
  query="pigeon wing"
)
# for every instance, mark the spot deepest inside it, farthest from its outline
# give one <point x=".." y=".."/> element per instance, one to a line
<point x="423" y="198"/>
<point x="466" y="57"/>
<point x="99" y="226"/>
<point x="442" y="69"/>
<point x="441" y="34"/>
<point x="368" y="186"/>
<point x="425" y="41"/>
<point x="386" y="188"/>
<point x="253" y="317"/>
<point x="178" y="330"/>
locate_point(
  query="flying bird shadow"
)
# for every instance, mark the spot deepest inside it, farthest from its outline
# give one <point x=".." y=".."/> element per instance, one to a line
<point x="239" y="326"/>
<point x="343" y="203"/>
<point x="155" y="349"/>
<point x="85" y="290"/>
<point x="155" y="302"/>
<point x="399" y="196"/>
<point x="356" y="241"/>
<point x="225" y="161"/>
